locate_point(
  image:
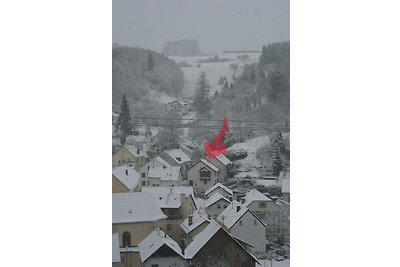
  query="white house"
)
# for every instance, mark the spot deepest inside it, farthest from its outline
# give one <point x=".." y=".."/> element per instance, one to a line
<point x="261" y="205"/>
<point x="202" y="175"/>
<point x="193" y="225"/>
<point x="158" y="249"/>
<point x="221" y="189"/>
<point x="216" y="204"/>
<point x="158" y="172"/>
<point x="244" y="224"/>
<point x="176" y="157"/>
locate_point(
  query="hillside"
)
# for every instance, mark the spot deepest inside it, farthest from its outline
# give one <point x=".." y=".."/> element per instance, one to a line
<point x="183" y="47"/>
<point x="142" y="74"/>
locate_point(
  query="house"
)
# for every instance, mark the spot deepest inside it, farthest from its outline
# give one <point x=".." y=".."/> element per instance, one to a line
<point x="214" y="246"/>
<point x="158" y="249"/>
<point x="261" y="205"/>
<point x="136" y="140"/>
<point x="177" y="203"/>
<point x="215" y="204"/>
<point x="134" y="216"/>
<point x="193" y="225"/>
<point x="176" y="157"/>
<point x="221" y="189"/>
<point x="116" y="257"/>
<point x="158" y="172"/>
<point x="245" y="225"/>
<point x="164" y="140"/>
<point x="202" y="175"/>
<point x="225" y="166"/>
<point x="125" y="179"/>
<point x="130" y="154"/>
<point x="179" y="105"/>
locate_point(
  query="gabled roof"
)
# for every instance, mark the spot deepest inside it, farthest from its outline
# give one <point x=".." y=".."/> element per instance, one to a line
<point x="135" y="207"/>
<point x="130" y="180"/>
<point x="178" y="155"/>
<point x="255" y="195"/>
<point x="115" y="248"/>
<point x="210" y="165"/>
<point x="154" y="242"/>
<point x="169" y="197"/>
<point x="230" y="216"/>
<point x="133" y="150"/>
<point x="214" y="198"/>
<point x="165" y="172"/>
<point x="198" y="218"/>
<point x="219" y="185"/>
<point x="223" y="159"/>
<point x="176" y="100"/>
<point x="200" y="240"/>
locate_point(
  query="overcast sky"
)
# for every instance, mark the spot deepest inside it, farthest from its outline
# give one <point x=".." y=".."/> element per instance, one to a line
<point x="215" y="24"/>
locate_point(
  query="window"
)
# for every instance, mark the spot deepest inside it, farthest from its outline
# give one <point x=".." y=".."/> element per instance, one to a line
<point x="262" y="205"/>
<point x="154" y="265"/>
<point x="204" y="173"/>
<point x="255" y="222"/>
<point x="218" y="206"/>
<point x="148" y="183"/>
<point x="148" y="167"/>
<point x="190" y="183"/>
<point x="205" y="181"/>
<point x="240" y="223"/>
<point x="144" y="183"/>
<point x="126" y="239"/>
<point x="143" y="175"/>
<point x="225" y="206"/>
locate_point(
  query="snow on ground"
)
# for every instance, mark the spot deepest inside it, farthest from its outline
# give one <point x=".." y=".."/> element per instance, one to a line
<point x="267" y="263"/>
<point x="266" y="182"/>
<point x="249" y="165"/>
<point x="213" y="70"/>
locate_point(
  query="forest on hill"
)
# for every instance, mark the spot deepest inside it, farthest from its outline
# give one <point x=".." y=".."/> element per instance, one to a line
<point x="136" y="72"/>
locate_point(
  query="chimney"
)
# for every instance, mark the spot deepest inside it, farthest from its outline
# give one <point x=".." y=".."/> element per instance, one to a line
<point x="238" y="198"/>
<point x="190" y="220"/>
<point x="126" y="171"/>
<point x="238" y="208"/>
<point x="230" y="198"/>
<point x="243" y="200"/>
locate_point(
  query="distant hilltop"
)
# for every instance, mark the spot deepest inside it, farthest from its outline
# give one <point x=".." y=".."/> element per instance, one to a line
<point x="185" y="47"/>
<point x="241" y="50"/>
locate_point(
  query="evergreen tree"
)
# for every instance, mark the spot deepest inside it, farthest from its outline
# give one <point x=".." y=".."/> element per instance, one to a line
<point x="124" y="123"/>
<point x="278" y="154"/>
<point x="201" y="101"/>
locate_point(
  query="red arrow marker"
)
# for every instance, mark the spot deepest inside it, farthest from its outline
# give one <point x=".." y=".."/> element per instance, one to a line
<point x="215" y="148"/>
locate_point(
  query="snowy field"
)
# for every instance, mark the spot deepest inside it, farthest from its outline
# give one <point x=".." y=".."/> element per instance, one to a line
<point x="267" y="263"/>
<point x="213" y="70"/>
<point x="250" y="164"/>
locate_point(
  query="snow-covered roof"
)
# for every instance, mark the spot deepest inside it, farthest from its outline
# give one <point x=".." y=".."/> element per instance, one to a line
<point x="130" y="180"/>
<point x="165" y="172"/>
<point x="201" y="239"/>
<point x="176" y="100"/>
<point x="200" y="203"/>
<point x="223" y="159"/>
<point x="199" y="217"/>
<point x="219" y="185"/>
<point x="214" y="198"/>
<point x="169" y="197"/>
<point x="135" y="207"/>
<point x="115" y="248"/>
<point x="266" y="182"/>
<point x="255" y="195"/>
<point x="230" y="215"/>
<point x="210" y="165"/>
<point x="134" y="151"/>
<point x="178" y="155"/>
<point x="155" y="241"/>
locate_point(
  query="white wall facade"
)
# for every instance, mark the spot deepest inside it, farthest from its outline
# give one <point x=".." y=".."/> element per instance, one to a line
<point x="194" y="175"/>
<point x="252" y="231"/>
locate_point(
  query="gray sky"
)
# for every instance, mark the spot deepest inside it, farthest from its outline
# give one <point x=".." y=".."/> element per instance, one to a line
<point x="215" y="24"/>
